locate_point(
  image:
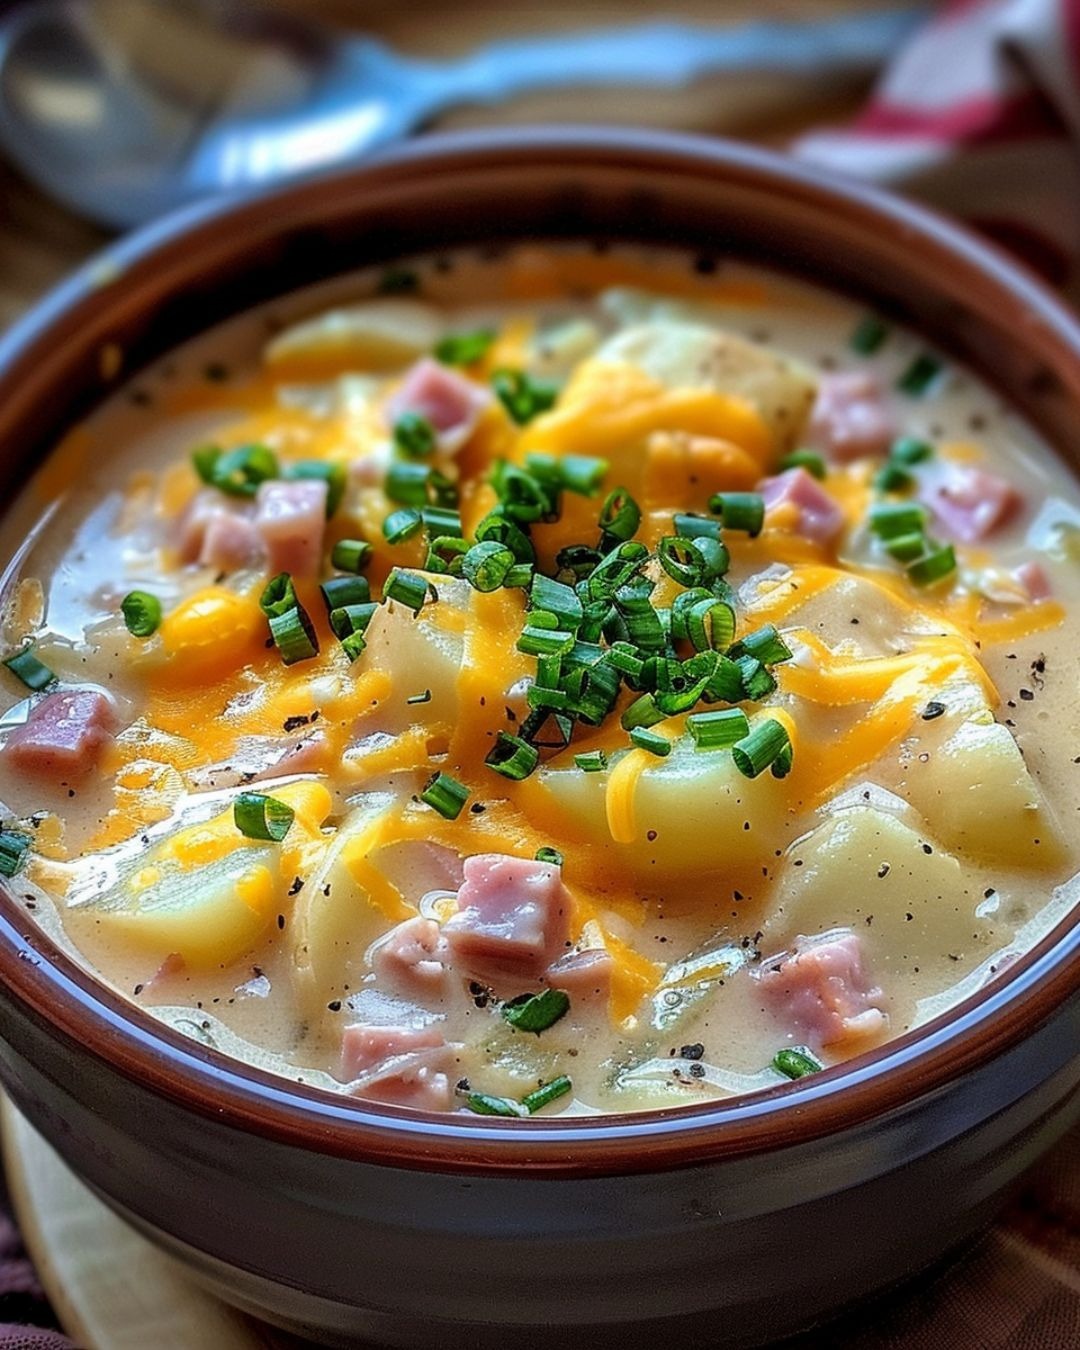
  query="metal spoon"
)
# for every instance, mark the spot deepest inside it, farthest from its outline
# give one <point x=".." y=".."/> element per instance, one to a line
<point x="124" y="109"/>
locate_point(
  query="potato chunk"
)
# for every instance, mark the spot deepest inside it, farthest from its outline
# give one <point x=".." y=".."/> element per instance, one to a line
<point x="376" y="335"/>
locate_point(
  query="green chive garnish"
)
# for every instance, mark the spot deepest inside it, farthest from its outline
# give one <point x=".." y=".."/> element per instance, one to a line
<point x="868" y="336"/>
<point x="239" y="472"/>
<point x="441" y="522"/>
<point x="591" y="761"/>
<point x="14" y="846"/>
<point x="465" y="349"/>
<point x="765" y="644"/>
<point x="34" y="674"/>
<point x="486" y="1105"/>
<point x="550" y="1092"/>
<point x="445" y="554"/>
<point x="643" y="712"/>
<point x="934" y="567"/>
<point x="810" y="460"/>
<point x="920" y="375"/>
<point x="402" y="525"/>
<point x="890" y="519"/>
<point x="351" y="555"/>
<point x="582" y="474"/>
<point x="523" y="396"/>
<point x="424" y="697"/>
<point x="536" y="1012"/>
<point x="406" y="483"/>
<point x="910" y="450"/>
<point x="893" y="478"/>
<point x="651" y="741"/>
<point x="294" y="635"/>
<point x="718" y="730"/>
<point x="406" y="588"/>
<point x="757" y="750"/>
<point x="278" y="595"/>
<point x="349" y="619"/>
<point x="796" y="1062"/>
<point x="554" y="598"/>
<point x="204" y="459"/>
<point x="757" y="682"/>
<point x="549" y="855"/>
<point x="414" y="435"/>
<point x="445" y="795"/>
<point x="337" y="592"/>
<point x="620" y="515"/>
<point x="142" y="613"/>
<point x="906" y="547"/>
<point x="697" y="527"/>
<point x="486" y="564"/>
<point x="512" y="757"/>
<point x="258" y="816"/>
<point x="740" y="510"/>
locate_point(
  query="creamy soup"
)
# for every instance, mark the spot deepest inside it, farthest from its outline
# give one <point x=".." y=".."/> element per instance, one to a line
<point x="563" y="681"/>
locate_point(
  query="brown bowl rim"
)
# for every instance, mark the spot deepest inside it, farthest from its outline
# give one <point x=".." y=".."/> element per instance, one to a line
<point x="57" y="995"/>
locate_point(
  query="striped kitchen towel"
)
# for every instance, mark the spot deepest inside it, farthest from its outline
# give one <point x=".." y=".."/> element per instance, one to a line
<point x="979" y="115"/>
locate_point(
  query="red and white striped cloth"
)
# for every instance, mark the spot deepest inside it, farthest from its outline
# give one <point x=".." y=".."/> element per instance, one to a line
<point x="979" y="114"/>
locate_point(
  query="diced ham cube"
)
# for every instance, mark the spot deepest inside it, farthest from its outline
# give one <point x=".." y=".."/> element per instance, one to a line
<point x="449" y="401"/>
<point x="512" y="920"/>
<point x="1032" y="576"/>
<point x="850" y="417"/>
<point x="64" y="735"/>
<point x="402" y="1066"/>
<point x="218" y="533"/>
<point x="815" y="514"/>
<point x="585" y="976"/>
<point x="411" y="955"/>
<point x="291" y="518"/>
<point x="968" y="502"/>
<point x="823" y="991"/>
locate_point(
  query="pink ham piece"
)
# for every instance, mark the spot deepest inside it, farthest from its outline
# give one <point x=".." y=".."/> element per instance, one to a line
<point x="850" y="417"/>
<point x="512" y="920"/>
<point x="817" y="516"/>
<point x="216" y="533"/>
<point x="411" y="956"/>
<point x="290" y="516"/>
<point x="64" y="736"/>
<point x="402" y="1066"/>
<point x="823" y="991"/>
<point x="1032" y="576"/>
<point x="969" y="503"/>
<point x="450" y="402"/>
<point x="585" y="976"/>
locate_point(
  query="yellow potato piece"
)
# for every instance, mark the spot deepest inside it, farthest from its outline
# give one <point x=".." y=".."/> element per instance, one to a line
<point x="379" y="335"/>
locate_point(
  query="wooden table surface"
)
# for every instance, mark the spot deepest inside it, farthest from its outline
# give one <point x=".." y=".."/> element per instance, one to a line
<point x="40" y="241"/>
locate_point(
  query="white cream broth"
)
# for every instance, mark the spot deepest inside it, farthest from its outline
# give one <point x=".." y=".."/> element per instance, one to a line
<point x="701" y="920"/>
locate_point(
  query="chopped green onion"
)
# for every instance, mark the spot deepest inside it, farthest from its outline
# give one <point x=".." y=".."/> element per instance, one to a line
<point x="425" y="697"/>
<point x="485" y="1105"/>
<point x="512" y="757"/>
<point x="547" y="729"/>
<point x="351" y="555"/>
<point x="934" y="567"/>
<point x="893" y="478"/>
<point x="414" y="435"/>
<point x="651" y="741"/>
<point x="555" y="598"/>
<point x="14" y="846"/>
<point x="680" y="560"/>
<point x="796" y="1062"/>
<point x="258" y="816"/>
<point x="523" y="396"/>
<point x="890" y="519"/>
<point x="33" y="673"/>
<point x="591" y="761"/>
<point x="505" y="531"/>
<point x="334" y="476"/>
<point x="538" y="641"/>
<point x="710" y="623"/>
<point x="757" y="750"/>
<point x="401" y="525"/>
<point x="337" y="592"/>
<point x="485" y="565"/>
<point x="550" y="1092"/>
<point x="445" y="554"/>
<point x="620" y="515"/>
<point x="726" y="684"/>
<point x="349" y="619"/>
<point x="764" y="643"/>
<point x="353" y="644"/>
<point x="444" y="491"/>
<point x="142" y="613"/>
<point x="644" y="629"/>
<point x="204" y="459"/>
<point x="920" y="375"/>
<point x="239" y="472"/>
<point x="445" y="795"/>
<point x="398" y="281"/>
<point x="718" y="730"/>
<point x="782" y="764"/>
<point x="294" y="635"/>
<point x="757" y="682"/>
<point x="868" y="336"/>
<point x="406" y="588"/>
<point x="740" y="510"/>
<point x="906" y="547"/>
<point x="810" y="460"/>
<point x="615" y="569"/>
<point x="910" y="450"/>
<point x="697" y="527"/>
<point x="406" y="483"/>
<point x="621" y="656"/>
<point x="522" y="496"/>
<point x="594" y="690"/>
<point x="465" y="349"/>
<point x="441" y="521"/>
<point x="278" y="595"/>
<point x="519" y="576"/>
<point x="643" y="712"/>
<point x="577" y="561"/>
<point x="536" y="1012"/>
<point x="545" y="854"/>
<point x="582" y="474"/>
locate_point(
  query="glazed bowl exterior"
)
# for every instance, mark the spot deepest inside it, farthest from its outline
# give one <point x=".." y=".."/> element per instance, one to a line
<point x="725" y="1224"/>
